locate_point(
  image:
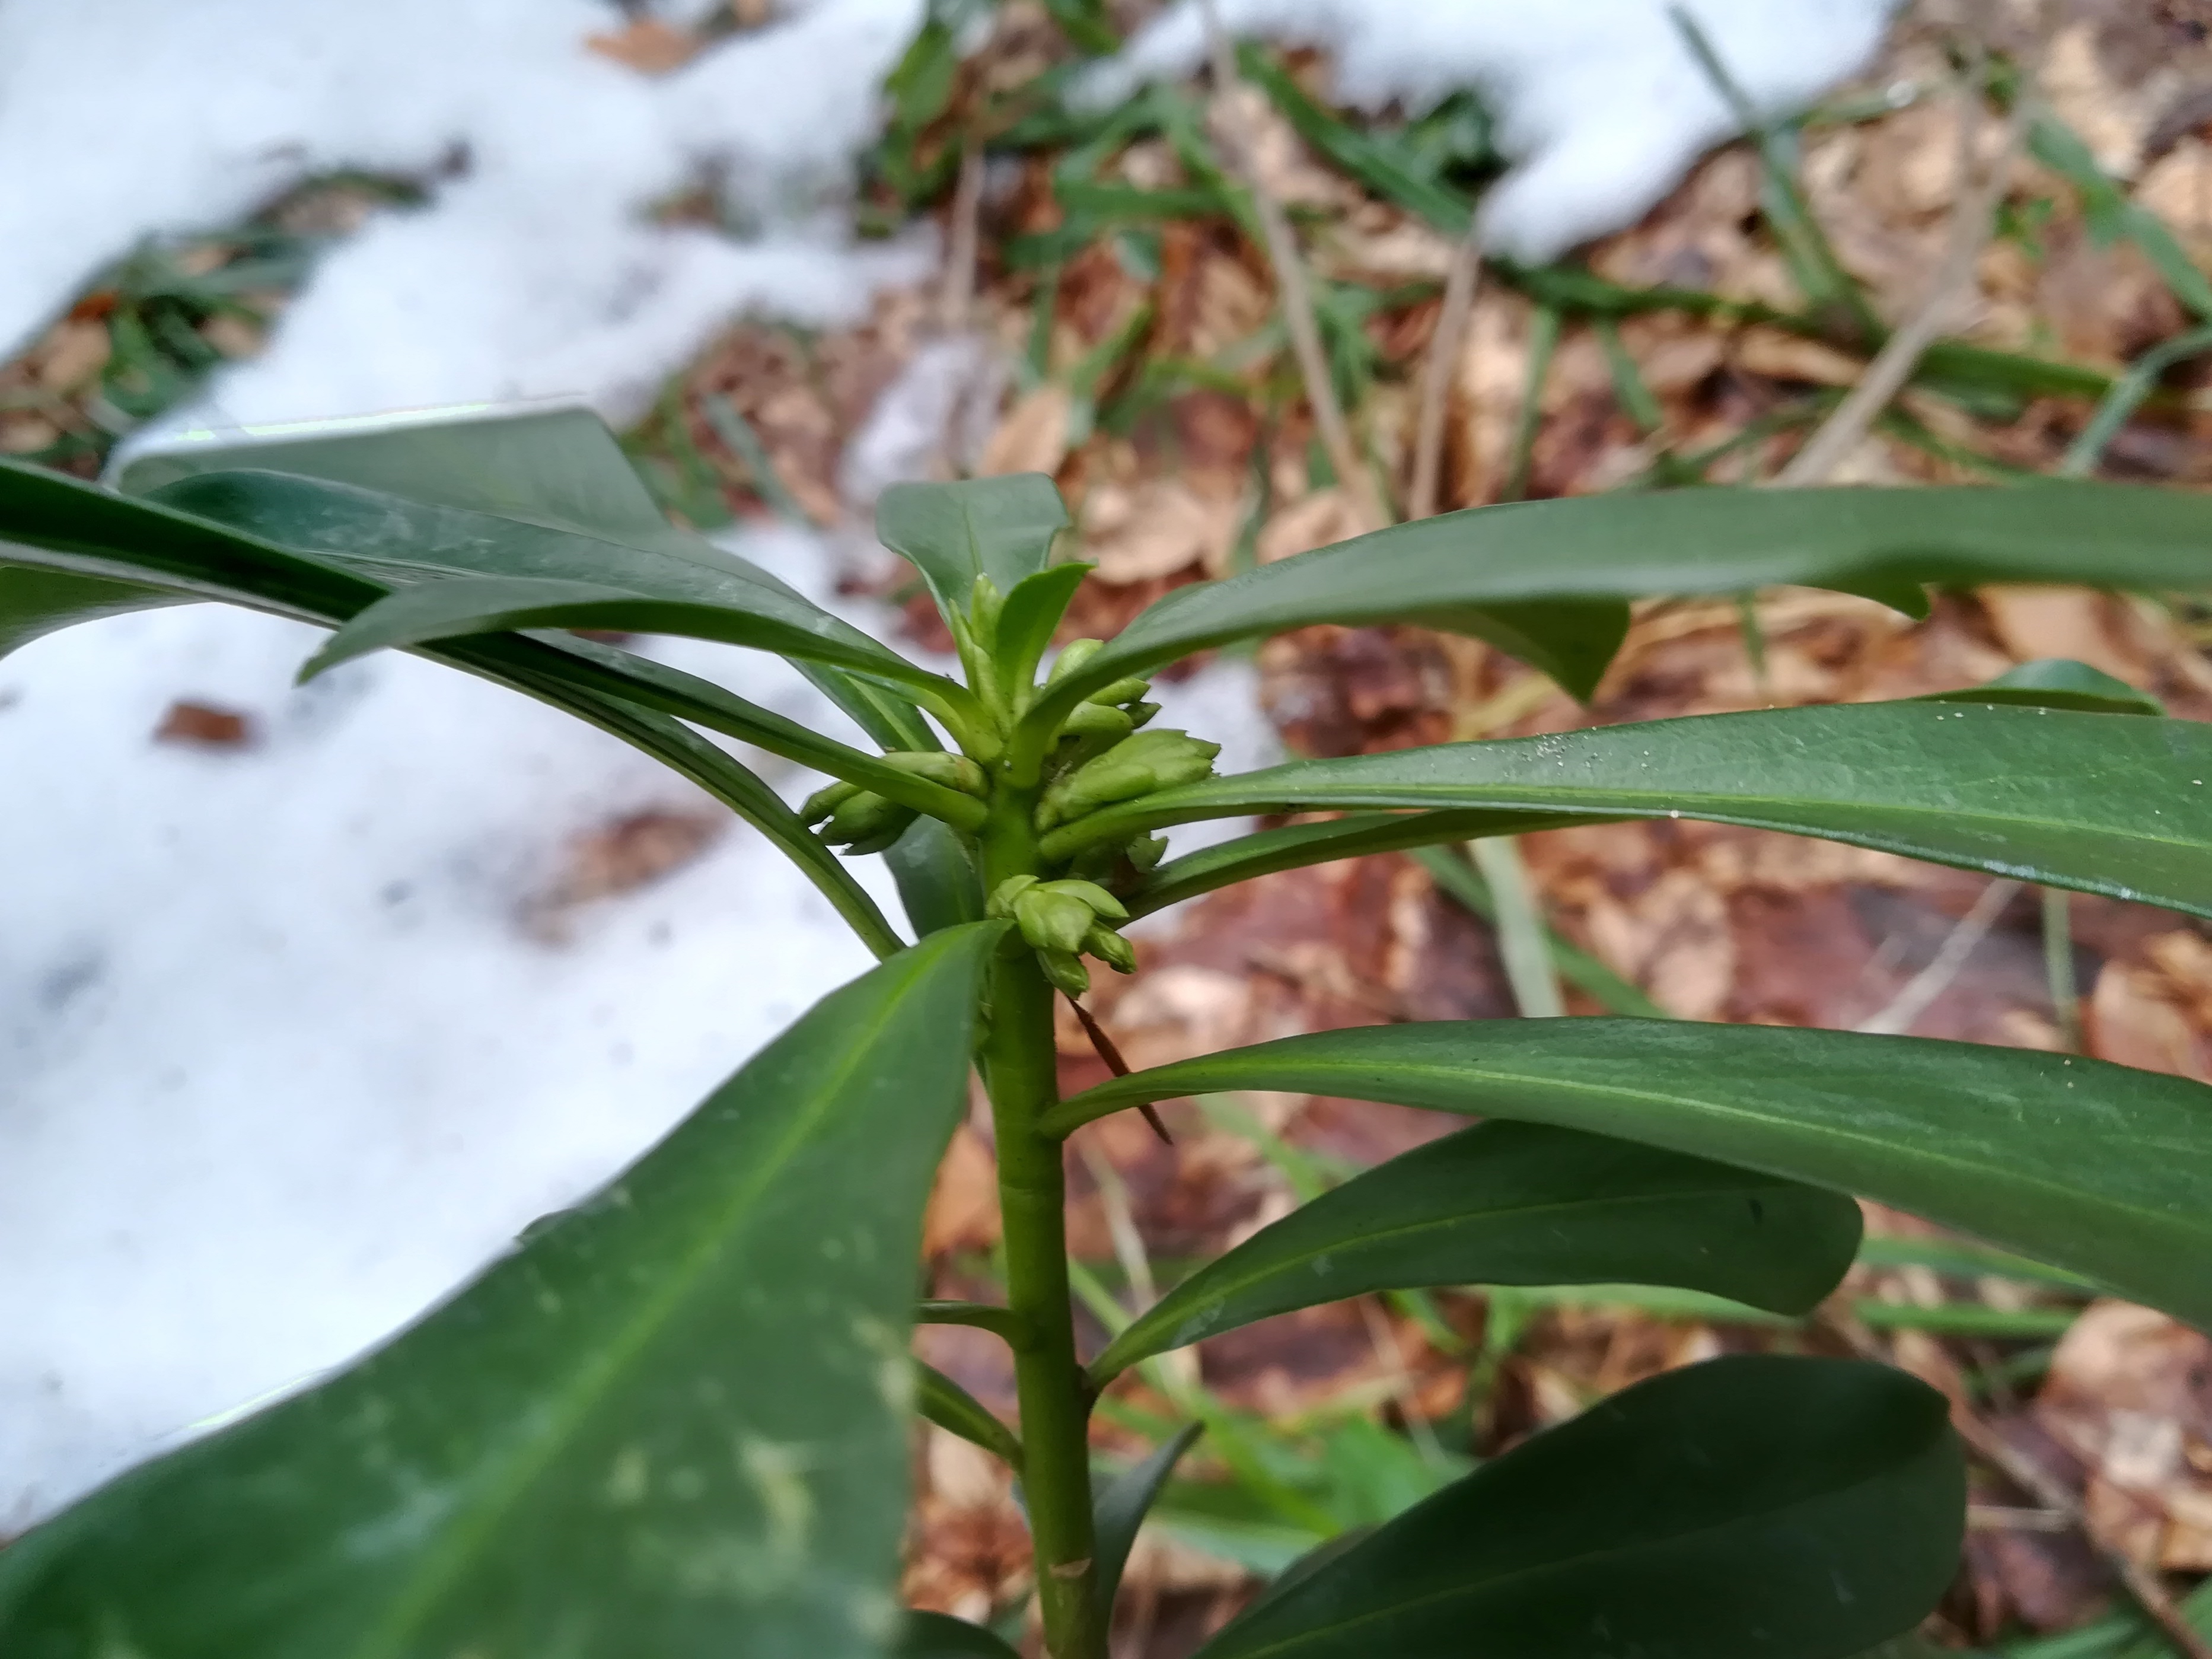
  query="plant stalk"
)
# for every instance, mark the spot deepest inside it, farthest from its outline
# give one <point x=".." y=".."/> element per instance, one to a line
<point x="1020" y="1073"/>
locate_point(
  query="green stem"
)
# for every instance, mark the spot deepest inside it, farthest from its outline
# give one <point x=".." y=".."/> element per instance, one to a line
<point x="2058" y="967"/>
<point x="1019" y="1071"/>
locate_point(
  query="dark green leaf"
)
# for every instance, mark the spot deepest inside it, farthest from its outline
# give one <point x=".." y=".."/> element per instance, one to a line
<point x="461" y="606"/>
<point x="936" y="879"/>
<point x="2057" y="683"/>
<point x="1119" y="1512"/>
<point x="673" y="1421"/>
<point x="560" y="469"/>
<point x="1751" y="1508"/>
<point x="1001" y="528"/>
<point x="1032" y="611"/>
<point x="65" y="524"/>
<point x="512" y="566"/>
<point x="939" y="1636"/>
<point x="57" y="523"/>
<point x="1518" y="1204"/>
<point x="35" y="603"/>
<point x="1594" y="552"/>
<point x="955" y="1411"/>
<point x="1992" y="1141"/>
<point x="2122" y="807"/>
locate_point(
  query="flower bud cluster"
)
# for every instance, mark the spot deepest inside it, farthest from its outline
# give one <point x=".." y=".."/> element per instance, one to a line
<point x="1063" y="921"/>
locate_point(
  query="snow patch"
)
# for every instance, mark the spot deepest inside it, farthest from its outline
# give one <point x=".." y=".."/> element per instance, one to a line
<point x="534" y="271"/>
<point x="1599" y="103"/>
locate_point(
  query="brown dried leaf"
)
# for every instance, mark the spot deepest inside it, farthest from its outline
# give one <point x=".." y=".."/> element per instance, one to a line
<point x="1033" y="436"/>
<point x="964" y="1204"/>
<point x="647" y="44"/>
<point x="1155" y="530"/>
<point x="203" y="726"/>
<point x="2129" y="1394"/>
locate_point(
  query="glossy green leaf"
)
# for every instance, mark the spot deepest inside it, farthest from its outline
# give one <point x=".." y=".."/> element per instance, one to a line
<point x="1002" y="528"/>
<point x="1518" y="1204"/>
<point x="500" y="567"/>
<point x="2117" y="806"/>
<point x="51" y="522"/>
<point x="1996" y="1142"/>
<point x="558" y="468"/>
<point x="1118" y="1513"/>
<point x="2057" y="683"/>
<point x="940" y="1636"/>
<point x="69" y="523"/>
<point x="955" y="1411"/>
<point x="1749" y="1508"/>
<point x="672" y="1421"/>
<point x="1595" y="551"/>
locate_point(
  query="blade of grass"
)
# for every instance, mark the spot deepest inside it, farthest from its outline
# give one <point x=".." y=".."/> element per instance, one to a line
<point x="1465" y="885"/>
<point x="1820" y="275"/>
<point x="2127" y="396"/>
<point x="1543" y="341"/>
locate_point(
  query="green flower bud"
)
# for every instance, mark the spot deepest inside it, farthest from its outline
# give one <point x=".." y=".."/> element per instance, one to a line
<point x="1052" y="922"/>
<point x="825" y="801"/>
<point x="953" y="771"/>
<point x="866" y="822"/>
<point x="1072" y="656"/>
<point x="1096" y="719"/>
<point x="1146" y="852"/>
<point x="1140" y="714"/>
<point x="1121" y="691"/>
<point x="1065" y="969"/>
<point x="1110" y="948"/>
<point x="1000" y="905"/>
<point x="1101" y="903"/>
<point x="1135" y="766"/>
<point x="985" y="602"/>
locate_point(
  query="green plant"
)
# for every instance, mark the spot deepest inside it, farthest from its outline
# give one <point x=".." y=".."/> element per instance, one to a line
<point x="671" y="1420"/>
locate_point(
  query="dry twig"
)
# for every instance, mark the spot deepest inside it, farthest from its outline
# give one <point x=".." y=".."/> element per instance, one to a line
<point x="1459" y="284"/>
<point x="956" y="298"/>
<point x="1352" y="472"/>
<point x="1896" y="1017"/>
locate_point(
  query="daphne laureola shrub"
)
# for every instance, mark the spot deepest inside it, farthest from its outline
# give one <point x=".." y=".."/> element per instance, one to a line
<point x="671" y="1421"/>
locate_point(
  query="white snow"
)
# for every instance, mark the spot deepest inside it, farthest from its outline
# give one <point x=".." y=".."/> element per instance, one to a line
<point x="281" y="1061"/>
<point x="534" y="273"/>
<point x="1598" y="102"/>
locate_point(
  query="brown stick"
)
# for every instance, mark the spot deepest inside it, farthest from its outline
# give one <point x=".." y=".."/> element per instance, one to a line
<point x="955" y="299"/>
<point x="1460" y="282"/>
<point x="1289" y="280"/>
